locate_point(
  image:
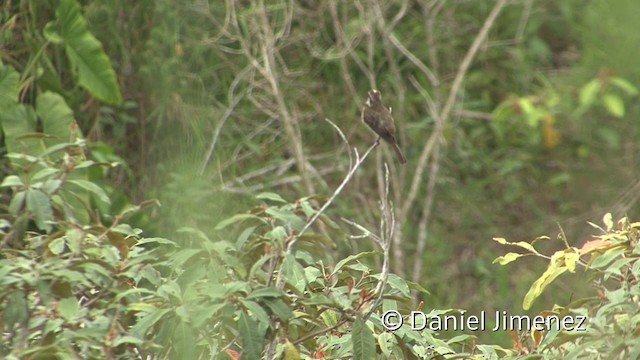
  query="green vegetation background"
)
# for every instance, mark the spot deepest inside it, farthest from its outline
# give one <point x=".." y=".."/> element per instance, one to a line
<point x="531" y="146"/>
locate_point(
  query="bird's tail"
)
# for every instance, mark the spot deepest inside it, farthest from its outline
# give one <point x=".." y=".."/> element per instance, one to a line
<point x="401" y="158"/>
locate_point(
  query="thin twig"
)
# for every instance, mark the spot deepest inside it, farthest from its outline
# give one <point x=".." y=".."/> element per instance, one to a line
<point x="387" y="229"/>
<point x="524" y="19"/>
<point x="339" y="189"/>
<point x="227" y="114"/>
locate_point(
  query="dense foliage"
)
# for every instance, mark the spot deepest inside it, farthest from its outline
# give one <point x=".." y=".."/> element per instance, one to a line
<point x="277" y="237"/>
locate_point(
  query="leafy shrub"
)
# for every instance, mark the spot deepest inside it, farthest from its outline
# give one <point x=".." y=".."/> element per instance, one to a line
<point x="610" y="261"/>
<point x="70" y="286"/>
<point x="273" y="302"/>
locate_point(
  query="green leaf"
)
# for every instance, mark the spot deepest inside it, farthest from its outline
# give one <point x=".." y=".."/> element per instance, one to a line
<point x="624" y="85"/>
<point x="277" y="234"/>
<point x="184" y="341"/>
<point x="459" y="339"/>
<point x="147" y="321"/>
<point x="182" y="256"/>
<point x="294" y="272"/>
<point x="311" y="274"/>
<point x="57" y="120"/>
<point x="520" y="244"/>
<point x="307" y="208"/>
<point x="556" y="268"/>
<point x="12" y="180"/>
<point x="16" y="203"/>
<point x="141" y="307"/>
<point x="602" y="261"/>
<point x="69" y="308"/>
<point x="614" y="105"/>
<point x="170" y="291"/>
<point x="539" y="238"/>
<point x="319" y="299"/>
<point x="57" y="246"/>
<point x="257" y="310"/>
<point x="86" y="54"/>
<point x="236" y="218"/>
<point x="127" y="230"/>
<point x="286" y="216"/>
<point x="15" y="310"/>
<point x="244" y="236"/>
<point x="51" y="186"/>
<point x="40" y="205"/>
<point x="53" y="325"/>
<point x="507" y="258"/>
<point x="51" y="33"/>
<point x="17" y="122"/>
<point x="57" y="147"/>
<point x="93" y="188"/>
<point x="350" y="258"/>
<point x="265" y="292"/>
<point x="290" y="351"/>
<point x="9" y="87"/>
<point x="156" y="240"/>
<point x="398" y="283"/>
<point x="386" y="341"/>
<point x="74" y="239"/>
<point x="270" y="196"/>
<point x="46" y="172"/>
<point x="588" y="92"/>
<point x="251" y="336"/>
<point x="364" y="345"/>
<point x="279" y="308"/>
<point x="128" y="340"/>
<point x="418" y="287"/>
<point x="489" y="351"/>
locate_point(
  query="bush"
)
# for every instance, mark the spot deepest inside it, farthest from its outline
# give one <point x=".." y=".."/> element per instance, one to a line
<point x="71" y="286"/>
<point x="610" y="261"/>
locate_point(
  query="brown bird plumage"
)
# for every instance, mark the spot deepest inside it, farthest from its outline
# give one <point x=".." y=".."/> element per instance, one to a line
<point x="379" y="119"/>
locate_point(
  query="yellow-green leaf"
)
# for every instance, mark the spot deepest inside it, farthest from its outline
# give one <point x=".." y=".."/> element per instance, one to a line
<point x="588" y="92"/>
<point x="571" y="258"/>
<point x="614" y="104"/>
<point x="556" y="268"/>
<point x="504" y="260"/>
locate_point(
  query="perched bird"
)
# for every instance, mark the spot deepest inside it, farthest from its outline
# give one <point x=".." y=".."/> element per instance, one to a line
<point x="379" y="119"/>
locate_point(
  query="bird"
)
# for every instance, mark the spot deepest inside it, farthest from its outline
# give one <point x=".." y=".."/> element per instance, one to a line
<point x="379" y="119"/>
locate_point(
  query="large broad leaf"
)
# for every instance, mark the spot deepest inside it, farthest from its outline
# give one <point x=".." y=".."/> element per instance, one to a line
<point x="184" y="341"/>
<point x="364" y="344"/>
<point x="85" y="52"/>
<point x="17" y="124"/>
<point x="56" y="117"/>
<point x="146" y="321"/>
<point x="9" y="81"/>
<point x="15" y="309"/>
<point x="95" y="189"/>
<point x="39" y="205"/>
<point x="251" y="336"/>
<point x="294" y="272"/>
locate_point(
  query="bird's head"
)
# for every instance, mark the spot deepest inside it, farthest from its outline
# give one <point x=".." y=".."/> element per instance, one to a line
<point x="375" y="97"/>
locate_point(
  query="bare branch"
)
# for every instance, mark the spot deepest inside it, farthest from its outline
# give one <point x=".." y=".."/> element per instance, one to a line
<point x="233" y="102"/>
